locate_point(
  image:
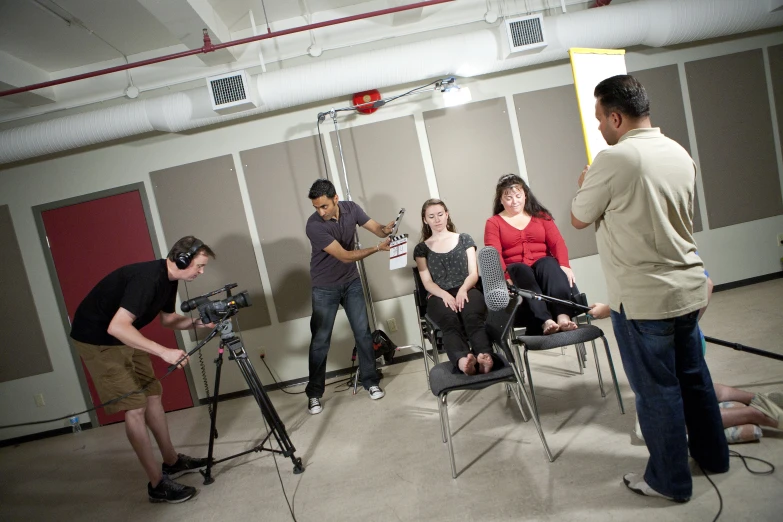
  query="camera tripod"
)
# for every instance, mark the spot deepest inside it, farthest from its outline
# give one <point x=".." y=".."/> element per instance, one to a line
<point x="236" y="351"/>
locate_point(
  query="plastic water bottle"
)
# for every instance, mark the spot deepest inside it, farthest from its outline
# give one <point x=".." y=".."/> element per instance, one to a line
<point x="75" y="426"/>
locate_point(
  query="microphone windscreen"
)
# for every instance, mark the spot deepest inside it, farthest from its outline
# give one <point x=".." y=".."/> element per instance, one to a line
<point x="495" y="288"/>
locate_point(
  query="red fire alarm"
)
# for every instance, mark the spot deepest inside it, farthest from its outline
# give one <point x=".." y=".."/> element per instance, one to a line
<point x="363" y="101"/>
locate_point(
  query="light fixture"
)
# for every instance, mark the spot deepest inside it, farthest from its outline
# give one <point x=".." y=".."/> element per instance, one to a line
<point x="452" y="93"/>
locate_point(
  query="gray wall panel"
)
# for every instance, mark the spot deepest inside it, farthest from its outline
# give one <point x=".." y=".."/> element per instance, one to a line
<point x="278" y="179"/>
<point x="386" y="173"/>
<point x="733" y="124"/>
<point x="668" y="111"/>
<point x="203" y="199"/>
<point x="23" y="352"/>
<point x="471" y="147"/>
<point x="776" y="70"/>
<point x="554" y="148"/>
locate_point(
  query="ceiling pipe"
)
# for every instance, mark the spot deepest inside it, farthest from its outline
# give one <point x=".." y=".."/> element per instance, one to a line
<point x="208" y="47"/>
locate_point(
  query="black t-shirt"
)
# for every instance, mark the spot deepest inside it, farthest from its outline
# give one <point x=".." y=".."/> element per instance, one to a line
<point x="143" y="289"/>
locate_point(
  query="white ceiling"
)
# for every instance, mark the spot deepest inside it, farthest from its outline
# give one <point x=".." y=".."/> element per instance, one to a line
<point x="44" y="40"/>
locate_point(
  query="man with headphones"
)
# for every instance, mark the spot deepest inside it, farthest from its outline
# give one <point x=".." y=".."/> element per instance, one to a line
<point x="105" y="332"/>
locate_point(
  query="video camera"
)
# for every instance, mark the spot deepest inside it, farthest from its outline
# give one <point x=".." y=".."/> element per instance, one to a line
<point x="214" y="311"/>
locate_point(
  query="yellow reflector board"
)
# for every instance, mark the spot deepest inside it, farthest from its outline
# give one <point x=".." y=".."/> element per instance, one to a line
<point x="590" y="67"/>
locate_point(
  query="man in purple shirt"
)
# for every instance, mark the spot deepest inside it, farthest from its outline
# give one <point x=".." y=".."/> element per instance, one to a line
<point x="335" y="279"/>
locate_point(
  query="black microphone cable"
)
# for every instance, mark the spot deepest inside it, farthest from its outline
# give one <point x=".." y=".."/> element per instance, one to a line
<point x="744" y="459"/>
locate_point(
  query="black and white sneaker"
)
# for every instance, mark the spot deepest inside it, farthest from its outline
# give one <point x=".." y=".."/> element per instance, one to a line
<point x="314" y="405"/>
<point x="169" y="491"/>
<point x="184" y="465"/>
<point x="376" y="392"/>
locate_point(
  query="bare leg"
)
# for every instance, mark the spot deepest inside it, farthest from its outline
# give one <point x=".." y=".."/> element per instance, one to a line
<point x="156" y="420"/>
<point x="136" y="430"/>
<point x="485" y="362"/>
<point x="467" y="364"/>
<point x="727" y="393"/>
<point x="550" y="327"/>
<point x="737" y="416"/>
<point x="565" y="323"/>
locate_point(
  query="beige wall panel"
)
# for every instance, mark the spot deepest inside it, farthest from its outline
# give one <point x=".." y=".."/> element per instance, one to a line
<point x="202" y="199"/>
<point x="278" y="179"/>
<point x="668" y="111"/>
<point x="731" y="115"/>
<point x="471" y="147"/>
<point x="554" y="148"/>
<point x="386" y="173"/>
<point x="23" y="352"/>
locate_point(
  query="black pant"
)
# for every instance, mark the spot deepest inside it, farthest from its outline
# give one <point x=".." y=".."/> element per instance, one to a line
<point x="544" y="277"/>
<point x="474" y="315"/>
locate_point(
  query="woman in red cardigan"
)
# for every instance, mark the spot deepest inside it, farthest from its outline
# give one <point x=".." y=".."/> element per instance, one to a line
<point x="533" y="254"/>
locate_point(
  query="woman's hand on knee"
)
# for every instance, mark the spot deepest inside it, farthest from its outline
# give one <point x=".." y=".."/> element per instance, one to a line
<point x="569" y="274"/>
<point x="462" y="298"/>
<point x="449" y="301"/>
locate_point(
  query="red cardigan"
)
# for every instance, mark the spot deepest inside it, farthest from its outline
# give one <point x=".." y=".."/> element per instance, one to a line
<point x="538" y="239"/>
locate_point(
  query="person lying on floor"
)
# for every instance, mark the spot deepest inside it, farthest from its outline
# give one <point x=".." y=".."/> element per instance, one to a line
<point x="447" y="266"/>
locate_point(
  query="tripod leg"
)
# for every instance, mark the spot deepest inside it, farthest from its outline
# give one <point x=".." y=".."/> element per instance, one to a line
<point x="207" y="473"/>
<point x="276" y="426"/>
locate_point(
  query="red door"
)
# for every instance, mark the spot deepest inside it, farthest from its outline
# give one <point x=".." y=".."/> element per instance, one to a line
<point x="87" y="241"/>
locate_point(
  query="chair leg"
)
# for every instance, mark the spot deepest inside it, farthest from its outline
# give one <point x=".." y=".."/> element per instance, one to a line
<point x="516" y="393"/>
<point x="356" y="380"/>
<point x="579" y="347"/>
<point x="447" y="432"/>
<point x="614" y="376"/>
<point x="598" y="371"/>
<point x="442" y="422"/>
<point x="534" y="409"/>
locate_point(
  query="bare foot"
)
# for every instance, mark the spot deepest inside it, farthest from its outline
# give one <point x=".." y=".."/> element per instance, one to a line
<point x="550" y="327"/>
<point x="565" y="323"/>
<point x="485" y="362"/>
<point x="467" y="364"/>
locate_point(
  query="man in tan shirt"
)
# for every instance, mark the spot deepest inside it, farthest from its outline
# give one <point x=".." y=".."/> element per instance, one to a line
<point x="639" y="193"/>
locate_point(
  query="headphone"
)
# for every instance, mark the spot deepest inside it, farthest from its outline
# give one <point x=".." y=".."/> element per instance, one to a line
<point x="183" y="259"/>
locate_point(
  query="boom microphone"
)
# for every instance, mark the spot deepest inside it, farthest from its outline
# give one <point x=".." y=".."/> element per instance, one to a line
<point x="495" y="287"/>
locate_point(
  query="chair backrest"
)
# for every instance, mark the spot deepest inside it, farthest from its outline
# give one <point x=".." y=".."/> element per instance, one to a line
<point x="499" y="323"/>
<point x="419" y="293"/>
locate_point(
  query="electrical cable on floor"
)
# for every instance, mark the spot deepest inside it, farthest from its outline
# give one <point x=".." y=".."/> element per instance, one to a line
<point x="268" y="431"/>
<point x="733" y="453"/>
<point x="173" y="367"/>
<point x="282" y="389"/>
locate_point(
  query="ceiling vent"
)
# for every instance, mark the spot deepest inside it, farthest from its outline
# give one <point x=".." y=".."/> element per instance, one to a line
<point x="231" y="93"/>
<point x="523" y="34"/>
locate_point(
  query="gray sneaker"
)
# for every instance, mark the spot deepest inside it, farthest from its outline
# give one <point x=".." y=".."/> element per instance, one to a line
<point x="376" y="392"/>
<point x="169" y="491"/>
<point x="184" y="464"/>
<point x="314" y="405"/>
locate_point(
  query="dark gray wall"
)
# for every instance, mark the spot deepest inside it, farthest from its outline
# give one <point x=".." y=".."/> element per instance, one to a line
<point x="471" y="147"/>
<point x="733" y="123"/>
<point x="278" y="179"/>
<point x="203" y="199"/>
<point x="23" y="352"/>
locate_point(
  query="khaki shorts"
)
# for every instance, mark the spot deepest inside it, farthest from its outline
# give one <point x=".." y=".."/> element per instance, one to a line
<point x="117" y="370"/>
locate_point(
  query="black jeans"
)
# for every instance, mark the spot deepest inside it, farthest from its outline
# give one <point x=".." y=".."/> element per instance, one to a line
<point x="474" y="315"/>
<point x="326" y="301"/>
<point x="544" y="277"/>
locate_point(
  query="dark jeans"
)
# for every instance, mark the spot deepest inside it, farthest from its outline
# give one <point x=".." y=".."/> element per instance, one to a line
<point x="544" y="277"/>
<point x="666" y="369"/>
<point x="455" y="337"/>
<point x="326" y="301"/>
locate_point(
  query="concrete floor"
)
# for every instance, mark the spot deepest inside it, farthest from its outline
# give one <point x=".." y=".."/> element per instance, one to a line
<point x="384" y="460"/>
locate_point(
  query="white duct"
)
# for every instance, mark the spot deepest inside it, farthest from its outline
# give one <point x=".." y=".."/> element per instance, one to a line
<point x="654" y="23"/>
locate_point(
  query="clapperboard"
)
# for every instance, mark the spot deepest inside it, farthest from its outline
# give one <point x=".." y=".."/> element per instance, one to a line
<point x="398" y="252"/>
